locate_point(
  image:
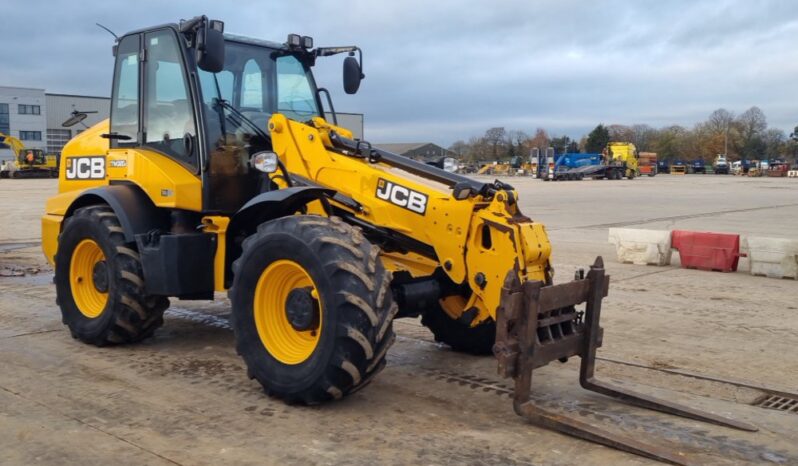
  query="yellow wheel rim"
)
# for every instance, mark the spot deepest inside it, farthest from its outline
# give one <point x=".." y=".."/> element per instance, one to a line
<point x="281" y="339"/>
<point x="89" y="300"/>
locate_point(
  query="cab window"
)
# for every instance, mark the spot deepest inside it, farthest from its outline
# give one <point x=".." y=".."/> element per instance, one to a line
<point x="125" y="94"/>
<point x="168" y="116"/>
<point x="295" y="97"/>
<point x="252" y="87"/>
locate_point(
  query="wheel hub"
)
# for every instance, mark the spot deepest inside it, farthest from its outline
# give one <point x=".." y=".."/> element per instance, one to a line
<point x="99" y="276"/>
<point x="301" y="310"/>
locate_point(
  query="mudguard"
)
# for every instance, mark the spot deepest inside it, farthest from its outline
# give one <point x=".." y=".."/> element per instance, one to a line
<point x="274" y="204"/>
<point x="136" y="212"/>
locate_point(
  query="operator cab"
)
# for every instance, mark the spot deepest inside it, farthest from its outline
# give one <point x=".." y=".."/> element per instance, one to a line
<point x="204" y="99"/>
<point x="31" y="157"/>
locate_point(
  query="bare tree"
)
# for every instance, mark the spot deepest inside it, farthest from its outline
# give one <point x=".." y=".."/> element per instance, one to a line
<point x="478" y="149"/>
<point x="775" y="142"/>
<point x="751" y="124"/>
<point x="517" y="140"/>
<point x="495" y="138"/>
<point x="540" y="140"/>
<point x="719" y="121"/>
<point x="459" y="147"/>
<point x="642" y="137"/>
<point x="620" y="133"/>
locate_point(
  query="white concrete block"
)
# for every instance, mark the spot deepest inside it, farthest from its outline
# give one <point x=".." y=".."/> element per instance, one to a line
<point x="771" y="257"/>
<point x="642" y="247"/>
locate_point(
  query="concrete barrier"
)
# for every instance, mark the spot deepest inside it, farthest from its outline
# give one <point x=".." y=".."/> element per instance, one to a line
<point x="792" y="174"/>
<point x="705" y="250"/>
<point x="641" y="247"/>
<point x="772" y="257"/>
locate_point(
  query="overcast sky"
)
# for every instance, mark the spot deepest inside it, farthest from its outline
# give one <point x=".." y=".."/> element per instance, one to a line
<point x="445" y="70"/>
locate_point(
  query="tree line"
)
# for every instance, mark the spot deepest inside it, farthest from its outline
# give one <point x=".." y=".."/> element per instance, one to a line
<point x="743" y="136"/>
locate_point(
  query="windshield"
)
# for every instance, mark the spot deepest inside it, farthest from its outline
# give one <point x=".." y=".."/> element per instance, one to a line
<point x="260" y="81"/>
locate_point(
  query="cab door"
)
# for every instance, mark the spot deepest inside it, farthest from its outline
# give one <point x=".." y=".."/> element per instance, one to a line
<point x="153" y="135"/>
<point x="168" y="112"/>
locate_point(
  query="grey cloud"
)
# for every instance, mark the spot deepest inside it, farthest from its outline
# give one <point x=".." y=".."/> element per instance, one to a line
<point x="449" y="69"/>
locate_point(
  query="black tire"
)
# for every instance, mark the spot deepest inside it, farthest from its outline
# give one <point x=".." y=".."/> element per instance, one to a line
<point x="356" y="319"/>
<point x="129" y="314"/>
<point x="459" y="336"/>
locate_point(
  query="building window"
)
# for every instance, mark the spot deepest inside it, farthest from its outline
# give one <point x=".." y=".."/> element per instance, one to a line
<point x="29" y="109"/>
<point x="30" y="135"/>
<point x="4" y="122"/>
<point x="56" y="139"/>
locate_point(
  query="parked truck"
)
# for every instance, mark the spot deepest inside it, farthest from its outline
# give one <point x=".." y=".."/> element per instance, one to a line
<point x="721" y="165"/>
<point x="778" y="168"/>
<point x="618" y="160"/>
<point x="678" y="167"/>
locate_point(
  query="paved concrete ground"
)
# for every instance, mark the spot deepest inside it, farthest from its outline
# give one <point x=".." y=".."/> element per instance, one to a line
<point x="183" y="397"/>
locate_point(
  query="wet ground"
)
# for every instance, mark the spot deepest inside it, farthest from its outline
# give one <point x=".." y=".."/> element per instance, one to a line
<point x="183" y="397"/>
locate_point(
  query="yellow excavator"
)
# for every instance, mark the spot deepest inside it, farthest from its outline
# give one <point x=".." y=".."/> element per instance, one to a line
<point x="27" y="163"/>
<point x="220" y="170"/>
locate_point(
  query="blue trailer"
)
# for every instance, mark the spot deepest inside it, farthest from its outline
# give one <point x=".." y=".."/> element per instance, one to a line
<point x="574" y="166"/>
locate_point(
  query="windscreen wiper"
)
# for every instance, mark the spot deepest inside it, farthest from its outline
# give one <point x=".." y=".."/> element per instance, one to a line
<point x="243" y="118"/>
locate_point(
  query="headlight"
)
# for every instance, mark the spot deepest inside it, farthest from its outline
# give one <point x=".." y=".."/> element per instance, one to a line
<point x="265" y="162"/>
<point x="450" y="164"/>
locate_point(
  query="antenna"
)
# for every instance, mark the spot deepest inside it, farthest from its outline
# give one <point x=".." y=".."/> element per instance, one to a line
<point x="109" y="31"/>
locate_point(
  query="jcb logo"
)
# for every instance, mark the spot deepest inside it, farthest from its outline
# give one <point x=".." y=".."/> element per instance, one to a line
<point x="413" y="201"/>
<point x="85" y="168"/>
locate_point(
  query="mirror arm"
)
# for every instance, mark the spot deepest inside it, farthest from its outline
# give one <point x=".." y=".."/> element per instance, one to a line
<point x="360" y="60"/>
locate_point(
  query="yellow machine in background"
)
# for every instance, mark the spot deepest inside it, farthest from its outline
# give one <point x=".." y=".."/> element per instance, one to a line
<point x="319" y="240"/>
<point x="623" y="154"/>
<point x="27" y="163"/>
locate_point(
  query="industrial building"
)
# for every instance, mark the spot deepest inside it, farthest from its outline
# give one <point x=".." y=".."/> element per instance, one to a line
<point x="422" y="151"/>
<point x="35" y="117"/>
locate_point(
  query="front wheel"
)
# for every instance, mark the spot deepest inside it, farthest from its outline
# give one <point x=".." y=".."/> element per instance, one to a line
<point x="99" y="281"/>
<point x="312" y="308"/>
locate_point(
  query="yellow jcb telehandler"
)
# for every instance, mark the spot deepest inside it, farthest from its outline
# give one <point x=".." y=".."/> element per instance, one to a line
<point x="219" y="170"/>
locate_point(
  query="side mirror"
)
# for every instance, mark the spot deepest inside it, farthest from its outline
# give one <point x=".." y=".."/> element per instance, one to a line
<point x="210" y="47"/>
<point x="352" y="75"/>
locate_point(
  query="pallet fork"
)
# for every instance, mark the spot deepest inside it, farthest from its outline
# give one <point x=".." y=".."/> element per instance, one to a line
<point x="538" y="324"/>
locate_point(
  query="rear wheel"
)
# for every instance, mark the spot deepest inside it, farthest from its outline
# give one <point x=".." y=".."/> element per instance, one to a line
<point x="99" y="281"/>
<point x="460" y="336"/>
<point x="312" y="308"/>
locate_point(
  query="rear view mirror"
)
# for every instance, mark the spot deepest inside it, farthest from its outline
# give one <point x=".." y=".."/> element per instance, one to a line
<point x="210" y="47"/>
<point x="352" y="75"/>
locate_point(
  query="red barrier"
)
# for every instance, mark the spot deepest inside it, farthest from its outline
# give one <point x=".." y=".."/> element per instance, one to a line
<point x="707" y="251"/>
